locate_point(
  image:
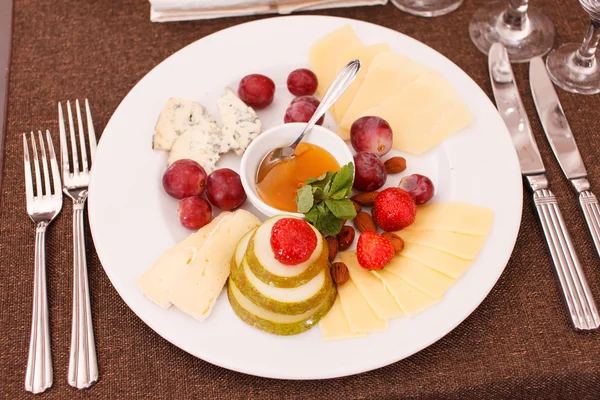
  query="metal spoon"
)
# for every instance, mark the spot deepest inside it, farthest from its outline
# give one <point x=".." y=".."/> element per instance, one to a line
<point x="337" y="88"/>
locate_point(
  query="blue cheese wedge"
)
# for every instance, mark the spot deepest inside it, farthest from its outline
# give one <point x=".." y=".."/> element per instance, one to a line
<point x="203" y="147"/>
<point x="238" y="121"/>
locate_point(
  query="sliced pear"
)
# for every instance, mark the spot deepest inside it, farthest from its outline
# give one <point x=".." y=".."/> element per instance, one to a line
<point x="278" y="324"/>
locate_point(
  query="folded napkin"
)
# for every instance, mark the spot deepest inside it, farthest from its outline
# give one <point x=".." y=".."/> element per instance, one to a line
<point x="185" y="10"/>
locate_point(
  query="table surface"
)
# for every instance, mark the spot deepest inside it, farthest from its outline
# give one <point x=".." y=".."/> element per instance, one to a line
<point x="517" y="344"/>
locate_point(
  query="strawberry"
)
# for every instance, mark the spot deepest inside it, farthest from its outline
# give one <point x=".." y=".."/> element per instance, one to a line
<point x="394" y="209"/>
<point x="373" y="250"/>
<point x="293" y="241"/>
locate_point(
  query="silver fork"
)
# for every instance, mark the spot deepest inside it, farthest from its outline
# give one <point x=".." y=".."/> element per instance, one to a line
<point x="83" y="365"/>
<point x="43" y="206"/>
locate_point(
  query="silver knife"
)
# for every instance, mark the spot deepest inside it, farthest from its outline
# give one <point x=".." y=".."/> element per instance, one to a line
<point x="575" y="289"/>
<point x="563" y="143"/>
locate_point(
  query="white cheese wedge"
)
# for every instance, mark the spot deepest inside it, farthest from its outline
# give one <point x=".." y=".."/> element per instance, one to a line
<point x="365" y="54"/>
<point x="196" y="291"/>
<point x="157" y="281"/>
<point x="410" y="299"/>
<point x="324" y="53"/>
<point x="239" y="122"/>
<point x="373" y="290"/>
<point x="441" y="261"/>
<point x="335" y="326"/>
<point x="458" y="244"/>
<point x="454" y="216"/>
<point x="420" y="276"/>
<point x="360" y="315"/>
<point x="177" y="117"/>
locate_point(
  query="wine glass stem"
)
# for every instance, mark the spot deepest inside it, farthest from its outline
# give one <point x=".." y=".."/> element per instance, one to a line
<point x="586" y="54"/>
<point x="516" y="14"/>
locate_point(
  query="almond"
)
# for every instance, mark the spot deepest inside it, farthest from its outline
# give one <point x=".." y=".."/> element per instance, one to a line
<point x="395" y="165"/>
<point x="366" y="198"/>
<point x="364" y="222"/>
<point x="339" y="273"/>
<point x="395" y="240"/>
<point x="356" y="206"/>
<point x="346" y="237"/>
<point x="332" y="244"/>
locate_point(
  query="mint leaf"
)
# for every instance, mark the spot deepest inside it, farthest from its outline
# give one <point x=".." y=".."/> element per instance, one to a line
<point x="342" y="209"/>
<point x="313" y="215"/>
<point x="321" y="187"/>
<point x="342" y="180"/>
<point x="329" y="224"/>
<point x="305" y="199"/>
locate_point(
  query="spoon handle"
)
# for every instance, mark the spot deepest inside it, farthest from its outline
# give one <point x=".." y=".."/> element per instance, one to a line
<point x="337" y="88"/>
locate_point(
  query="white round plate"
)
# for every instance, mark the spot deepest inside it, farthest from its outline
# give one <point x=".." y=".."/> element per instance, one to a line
<point x="133" y="220"/>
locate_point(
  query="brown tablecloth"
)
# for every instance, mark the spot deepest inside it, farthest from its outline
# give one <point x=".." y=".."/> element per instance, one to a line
<point x="518" y="344"/>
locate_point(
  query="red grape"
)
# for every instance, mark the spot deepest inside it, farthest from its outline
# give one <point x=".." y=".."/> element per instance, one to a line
<point x="369" y="172"/>
<point x="256" y="90"/>
<point x="302" y="81"/>
<point x="371" y="134"/>
<point x="224" y="189"/>
<point x="301" y="109"/>
<point x="194" y="212"/>
<point x="184" y="178"/>
<point x="419" y="187"/>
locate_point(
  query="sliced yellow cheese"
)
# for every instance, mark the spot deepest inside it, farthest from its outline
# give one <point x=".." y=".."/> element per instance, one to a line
<point x="420" y="276"/>
<point x="388" y="74"/>
<point x="196" y="291"/>
<point x="360" y="315"/>
<point x="324" y="53"/>
<point x="423" y="114"/>
<point x="458" y="244"/>
<point x="441" y="261"/>
<point x="335" y="325"/>
<point x="410" y="299"/>
<point x="454" y="216"/>
<point x="365" y="54"/>
<point x="156" y="282"/>
<point x="373" y="290"/>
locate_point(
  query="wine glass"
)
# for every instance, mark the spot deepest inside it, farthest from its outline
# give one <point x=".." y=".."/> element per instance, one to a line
<point x="573" y="66"/>
<point x="427" y="8"/>
<point x="526" y="33"/>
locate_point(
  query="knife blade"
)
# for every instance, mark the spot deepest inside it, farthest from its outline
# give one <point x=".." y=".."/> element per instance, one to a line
<point x="559" y="134"/>
<point x="575" y="289"/>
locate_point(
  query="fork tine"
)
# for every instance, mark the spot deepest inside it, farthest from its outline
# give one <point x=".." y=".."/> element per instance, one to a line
<point x="54" y="165"/>
<point x="36" y="166"/>
<point x="91" y="131"/>
<point x="64" y="149"/>
<point x="28" y="177"/>
<point x="73" y="142"/>
<point x="84" y="160"/>
<point x="45" y="166"/>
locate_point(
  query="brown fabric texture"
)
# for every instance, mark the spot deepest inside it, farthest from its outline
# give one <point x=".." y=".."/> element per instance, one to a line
<point x="518" y="344"/>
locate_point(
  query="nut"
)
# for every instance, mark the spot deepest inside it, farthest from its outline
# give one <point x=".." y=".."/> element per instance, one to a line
<point x="332" y="244"/>
<point x="366" y="198"/>
<point x="339" y="273"/>
<point x="395" y="240"/>
<point x="346" y="237"/>
<point x="356" y="206"/>
<point x="364" y="222"/>
<point x="395" y="165"/>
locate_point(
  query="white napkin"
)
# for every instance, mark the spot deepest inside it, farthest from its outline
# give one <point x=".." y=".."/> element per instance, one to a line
<point x="185" y="10"/>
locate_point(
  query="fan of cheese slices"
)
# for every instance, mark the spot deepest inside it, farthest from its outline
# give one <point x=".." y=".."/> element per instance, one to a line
<point x="420" y="104"/>
<point x="440" y="246"/>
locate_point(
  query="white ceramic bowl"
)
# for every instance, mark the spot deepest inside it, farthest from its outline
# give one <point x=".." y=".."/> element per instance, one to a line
<point x="280" y="136"/>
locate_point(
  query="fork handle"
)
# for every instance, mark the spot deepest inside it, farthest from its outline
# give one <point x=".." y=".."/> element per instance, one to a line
<point x="591" y="211"/>
<point x="83" y="366"/>
<point x="38" y="376"/>
<point x="577" y="294"/>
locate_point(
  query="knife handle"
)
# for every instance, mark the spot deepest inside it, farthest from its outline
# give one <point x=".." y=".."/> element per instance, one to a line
<point x="591" y="211"/>
<point x="576" y="291"/>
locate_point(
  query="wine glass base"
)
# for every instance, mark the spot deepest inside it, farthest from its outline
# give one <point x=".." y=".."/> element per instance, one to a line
<point x="427" y="8"/>
<point x="534" y="38"/>
<point x="569" y="75"/>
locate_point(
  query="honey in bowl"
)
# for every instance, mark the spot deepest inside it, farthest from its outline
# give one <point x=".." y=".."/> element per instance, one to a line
<point x="280" y="183"/>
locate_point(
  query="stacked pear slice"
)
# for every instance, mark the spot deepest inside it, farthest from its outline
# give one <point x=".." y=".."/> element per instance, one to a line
<point x="277" y="298"/>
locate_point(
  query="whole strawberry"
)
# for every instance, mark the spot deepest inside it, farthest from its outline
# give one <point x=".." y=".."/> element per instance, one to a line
<point x="373" y="250"/>
<point x="394" y="209"/>
<point x="292" y="241"/>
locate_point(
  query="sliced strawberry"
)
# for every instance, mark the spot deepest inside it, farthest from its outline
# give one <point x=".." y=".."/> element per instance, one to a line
<point x="373" y="250"/>
<point x="293" y="241"/>
<point x="394" y="209"/>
